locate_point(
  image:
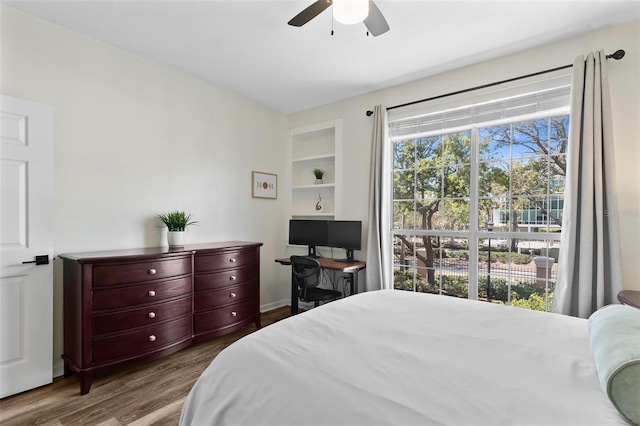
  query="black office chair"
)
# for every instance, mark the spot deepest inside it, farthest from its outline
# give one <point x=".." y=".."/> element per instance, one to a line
<point x="306" y="273"/>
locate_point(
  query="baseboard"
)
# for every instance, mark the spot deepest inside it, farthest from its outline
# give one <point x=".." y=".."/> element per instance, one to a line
<point x="275" y="305"/>
<point x="58" y="368"/>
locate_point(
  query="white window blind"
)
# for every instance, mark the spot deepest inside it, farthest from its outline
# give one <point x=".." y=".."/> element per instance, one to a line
<point x="526" y="98"/>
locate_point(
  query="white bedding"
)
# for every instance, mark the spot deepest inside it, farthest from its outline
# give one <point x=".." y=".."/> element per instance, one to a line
<point x="400" y="358"/>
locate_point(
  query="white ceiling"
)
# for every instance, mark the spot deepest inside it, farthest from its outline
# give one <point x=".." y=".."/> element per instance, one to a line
<point x="248" y="48"/>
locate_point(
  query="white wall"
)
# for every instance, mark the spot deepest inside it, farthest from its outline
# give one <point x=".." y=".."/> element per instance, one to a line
<point x="624" y="83"/>
<point x="133" y="139"/>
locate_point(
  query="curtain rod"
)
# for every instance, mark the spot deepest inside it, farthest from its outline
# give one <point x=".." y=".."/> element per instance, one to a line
<point x="617" y="55"/>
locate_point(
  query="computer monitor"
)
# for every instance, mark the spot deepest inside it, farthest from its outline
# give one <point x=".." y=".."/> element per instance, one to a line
<point x="309" y="233"/>
<point x="346" y="234"/>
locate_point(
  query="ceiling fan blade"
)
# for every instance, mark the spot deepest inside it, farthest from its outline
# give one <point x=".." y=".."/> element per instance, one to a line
<point x="375" y="22"/>
<point x="309" y="13"/>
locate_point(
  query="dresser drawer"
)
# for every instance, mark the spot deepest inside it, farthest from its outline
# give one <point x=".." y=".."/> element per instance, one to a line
<point x="224" y="278"/>
<point x="230" y="259"/>
<point x="212" y="299"/>
<point x="148" y="339"/>
<point x="225" y="316"/>
<point x="105" y="275"/>
<point x="114" y="298"/>
<point x="140" y="317"/>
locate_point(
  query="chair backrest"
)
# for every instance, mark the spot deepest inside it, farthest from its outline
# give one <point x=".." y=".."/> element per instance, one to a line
<point x="306" y="271"/>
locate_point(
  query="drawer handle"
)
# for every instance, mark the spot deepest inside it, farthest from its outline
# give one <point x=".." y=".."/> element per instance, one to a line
<point x="152" y="338"/>
<point x="233" y="278"/>
<point x="152" y="293"/>
<point x="152" y="271"/>
<point x="152" y="315"/>
<point x="232" y="260"/>
<point x="232" y="295"/>
<point x="234" y="313"/>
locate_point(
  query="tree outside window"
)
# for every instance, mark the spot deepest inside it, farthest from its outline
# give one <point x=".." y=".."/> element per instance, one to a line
<point x="517" y="184"/>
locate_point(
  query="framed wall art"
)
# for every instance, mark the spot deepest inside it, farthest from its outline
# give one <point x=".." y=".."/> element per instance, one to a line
<point x="264" y="185"/>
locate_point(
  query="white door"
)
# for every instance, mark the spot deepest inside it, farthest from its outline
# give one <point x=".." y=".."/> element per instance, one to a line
<point x="26" y="231"/>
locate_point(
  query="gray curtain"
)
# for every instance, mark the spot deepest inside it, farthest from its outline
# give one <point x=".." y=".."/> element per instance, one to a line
<point x="589" y="267"/>
<point x="377" y="270"/>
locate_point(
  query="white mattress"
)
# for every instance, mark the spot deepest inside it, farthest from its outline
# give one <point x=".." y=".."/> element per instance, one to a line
<point x="399" y="358"/>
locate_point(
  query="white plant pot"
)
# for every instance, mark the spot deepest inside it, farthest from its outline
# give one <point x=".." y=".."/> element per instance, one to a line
<point x="318" y="181"/>
<point x="175" y="238"/>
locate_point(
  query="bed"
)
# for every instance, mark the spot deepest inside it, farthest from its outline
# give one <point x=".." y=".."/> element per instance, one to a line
<point x="399" y="358"/>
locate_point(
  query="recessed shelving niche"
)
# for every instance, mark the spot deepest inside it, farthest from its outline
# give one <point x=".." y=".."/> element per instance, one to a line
<point x="311" y="147"/>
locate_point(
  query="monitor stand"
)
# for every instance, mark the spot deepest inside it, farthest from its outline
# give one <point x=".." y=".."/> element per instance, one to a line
<point x="349" y="258"/>
<point x="312" y="252"/>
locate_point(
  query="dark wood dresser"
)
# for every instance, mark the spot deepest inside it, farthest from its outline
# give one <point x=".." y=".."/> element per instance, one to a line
<point x="146" y="303"/>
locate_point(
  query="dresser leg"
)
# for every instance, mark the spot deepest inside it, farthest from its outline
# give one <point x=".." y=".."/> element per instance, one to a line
<point x="86" y="377"/>
<point x="258" y="324"/>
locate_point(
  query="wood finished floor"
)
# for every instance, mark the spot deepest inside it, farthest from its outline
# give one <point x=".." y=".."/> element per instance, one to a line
<point x="140" y="393"/>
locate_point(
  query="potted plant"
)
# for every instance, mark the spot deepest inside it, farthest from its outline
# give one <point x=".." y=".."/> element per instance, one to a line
<point x="176" y="222"/>
<point x="319" y="174"/>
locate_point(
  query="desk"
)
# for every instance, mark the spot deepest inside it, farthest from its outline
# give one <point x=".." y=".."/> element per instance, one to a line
<point x="350" y="268"/>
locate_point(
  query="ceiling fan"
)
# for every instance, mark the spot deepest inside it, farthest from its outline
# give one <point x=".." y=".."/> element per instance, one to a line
<point x="346" y="12"/>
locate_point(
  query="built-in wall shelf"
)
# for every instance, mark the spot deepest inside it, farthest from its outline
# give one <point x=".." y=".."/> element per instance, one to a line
<point x="317" y="146"/>
<point x="314" y="158"/>
<point x="317" y="185"/>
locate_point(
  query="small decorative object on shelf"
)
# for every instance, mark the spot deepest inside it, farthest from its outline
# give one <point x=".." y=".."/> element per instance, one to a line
<point x="176" y="222"/>
<point x="319" y="204"/>
<point x="319" y="173"/>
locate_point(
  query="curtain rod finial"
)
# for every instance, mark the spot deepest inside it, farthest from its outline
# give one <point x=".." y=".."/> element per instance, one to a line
<point x="617" y="55"/>
<point x="369" y="113"/>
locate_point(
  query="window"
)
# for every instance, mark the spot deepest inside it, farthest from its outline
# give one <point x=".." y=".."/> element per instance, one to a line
<point x="477" y="198"/>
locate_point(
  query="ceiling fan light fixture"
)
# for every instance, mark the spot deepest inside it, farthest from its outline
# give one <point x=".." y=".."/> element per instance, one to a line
<point x="350" y="11"/>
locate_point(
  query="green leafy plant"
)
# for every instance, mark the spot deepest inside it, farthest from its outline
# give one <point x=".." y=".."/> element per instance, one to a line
<point x="319" y="173"/>
<point x="176" y="220"/>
